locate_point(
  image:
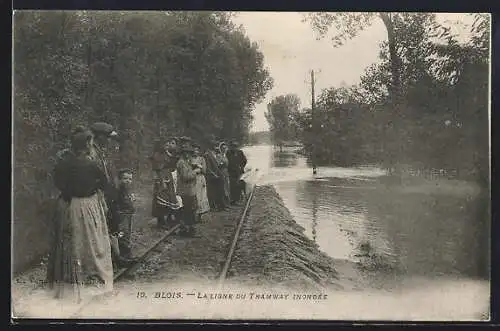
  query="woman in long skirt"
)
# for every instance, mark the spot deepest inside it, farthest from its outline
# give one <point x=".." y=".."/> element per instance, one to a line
<point x="165" y="204"/>
<point x="223" y="165"/>
<point x="186" y="188"/>
<point x="201" y="183"/>
<point x="81" y="258"/>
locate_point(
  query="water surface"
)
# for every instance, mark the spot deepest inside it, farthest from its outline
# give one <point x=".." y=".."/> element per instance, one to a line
<point x="415" y="233"/>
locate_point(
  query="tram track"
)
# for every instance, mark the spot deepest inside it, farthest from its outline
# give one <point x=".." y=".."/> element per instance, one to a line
<point x="124" y="271"/>
<point x="222" y="276"/>
<point x="227" y="264"/>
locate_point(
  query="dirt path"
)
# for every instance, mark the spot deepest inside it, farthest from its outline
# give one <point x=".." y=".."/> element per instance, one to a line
<point x="201" y="257"/>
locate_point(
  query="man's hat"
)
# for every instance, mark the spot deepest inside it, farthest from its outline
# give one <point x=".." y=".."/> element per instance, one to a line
<point x="184" y="139"/>
<point x="104" y="129"/>
<point x="123" y="171"/>
<point x="187" y="147"/>
<point x="234" y="143"/>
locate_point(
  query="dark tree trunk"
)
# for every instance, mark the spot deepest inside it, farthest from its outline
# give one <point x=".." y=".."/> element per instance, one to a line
<point x="395" y="150"/>
<point x="158" y="110"/>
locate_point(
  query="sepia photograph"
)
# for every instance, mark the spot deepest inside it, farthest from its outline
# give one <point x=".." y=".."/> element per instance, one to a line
<point x="216" y="165"/>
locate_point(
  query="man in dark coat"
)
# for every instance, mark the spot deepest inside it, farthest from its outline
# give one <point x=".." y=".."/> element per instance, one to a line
<point x="103" y="133"/>
<point x="215" y="184"/>
<point x="237" y="162"/>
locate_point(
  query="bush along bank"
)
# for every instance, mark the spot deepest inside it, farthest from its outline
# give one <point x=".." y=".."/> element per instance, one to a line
<point x="273" y="249"/>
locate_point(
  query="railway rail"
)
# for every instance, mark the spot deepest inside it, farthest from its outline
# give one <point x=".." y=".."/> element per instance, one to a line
<point x="222" y="275"/>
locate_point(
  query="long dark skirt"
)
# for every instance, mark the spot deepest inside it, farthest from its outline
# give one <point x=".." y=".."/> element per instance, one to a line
<point x="54" y="267"/>
<point x="237" y="188"/>
<point x="156" y="210"/>
<point x="189" y="209"/>
<point x="215" y="189"/>
<point x="164" y="203"/>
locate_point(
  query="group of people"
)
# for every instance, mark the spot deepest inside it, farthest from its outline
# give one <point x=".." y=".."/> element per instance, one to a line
<point x="193" y="178"/>
<point x="93" y="215"/>
<point x="94" y="212"/>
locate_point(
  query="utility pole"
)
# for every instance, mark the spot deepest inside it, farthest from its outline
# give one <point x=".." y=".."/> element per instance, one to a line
<point x="313" y="105"/>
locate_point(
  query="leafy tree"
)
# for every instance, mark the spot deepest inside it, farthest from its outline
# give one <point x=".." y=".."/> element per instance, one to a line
<point x="348" y="26"/>
<point x="150" y="74"/>
<point x="436" y="101"/>
<point x="282" y="118"/>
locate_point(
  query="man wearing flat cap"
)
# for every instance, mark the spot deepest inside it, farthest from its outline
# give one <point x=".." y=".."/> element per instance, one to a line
<point x="103" y="133"/>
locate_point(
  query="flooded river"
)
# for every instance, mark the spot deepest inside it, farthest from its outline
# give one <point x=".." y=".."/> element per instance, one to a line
<point x="425" y="246"/>
<point x="411" y="235"/>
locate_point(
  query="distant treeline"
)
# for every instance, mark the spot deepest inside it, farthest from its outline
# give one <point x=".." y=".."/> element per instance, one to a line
<point x="259" y="138"/>
<point x="149" y="74"/>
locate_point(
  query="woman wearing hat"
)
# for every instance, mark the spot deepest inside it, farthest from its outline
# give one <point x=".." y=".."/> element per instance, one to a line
<point x="223" y="166"/>
<point x="187" y="174"/>
<point x="82" y="252"/>
<point x="165" y="203"/>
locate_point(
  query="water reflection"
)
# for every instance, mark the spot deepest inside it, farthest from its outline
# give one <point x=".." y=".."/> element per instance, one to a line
<point x="432" y="235"/>
<point x="314" y="215"/>
<point x="418" y="233"/>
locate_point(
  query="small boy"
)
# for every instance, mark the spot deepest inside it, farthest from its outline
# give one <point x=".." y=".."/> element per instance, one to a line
<point x="126" y="211"/>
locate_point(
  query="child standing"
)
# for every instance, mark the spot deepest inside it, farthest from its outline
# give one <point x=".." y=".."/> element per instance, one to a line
<point x="126" y="211"/>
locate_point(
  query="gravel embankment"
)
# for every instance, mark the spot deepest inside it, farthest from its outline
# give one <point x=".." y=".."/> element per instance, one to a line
<point x="200" y="258"/>
<point x="273" y="249"/>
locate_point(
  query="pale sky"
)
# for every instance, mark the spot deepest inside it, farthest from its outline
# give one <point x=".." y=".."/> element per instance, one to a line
<point x="291" y="50"/>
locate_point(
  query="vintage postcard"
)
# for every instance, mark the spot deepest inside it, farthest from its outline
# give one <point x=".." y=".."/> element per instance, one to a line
<point x="251" y="165"/>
